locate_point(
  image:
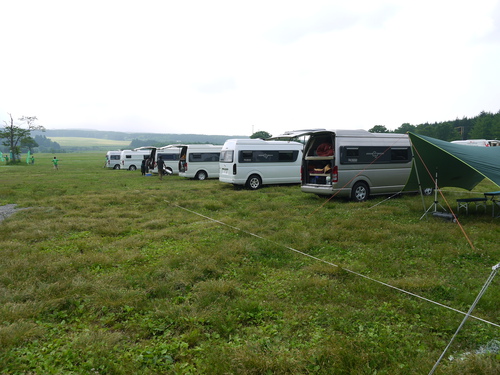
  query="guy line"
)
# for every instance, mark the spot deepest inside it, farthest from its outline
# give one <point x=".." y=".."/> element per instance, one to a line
<point x="332" y="264"/>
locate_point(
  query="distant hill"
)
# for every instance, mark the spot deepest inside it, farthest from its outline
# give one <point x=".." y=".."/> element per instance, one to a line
<point x="68" y="139"/>
<point x="122" y="136"/>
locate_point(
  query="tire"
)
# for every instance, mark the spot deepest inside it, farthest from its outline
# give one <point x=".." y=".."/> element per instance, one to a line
<point x="117" y="166"/>
<point x="132" y="168"/>
<point x="201" y="175"/>
<point x="254" y="182"/>
<point x="360" y="192"/>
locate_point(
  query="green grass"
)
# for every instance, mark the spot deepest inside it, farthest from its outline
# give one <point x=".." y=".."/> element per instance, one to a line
<point x="109" y="272"/>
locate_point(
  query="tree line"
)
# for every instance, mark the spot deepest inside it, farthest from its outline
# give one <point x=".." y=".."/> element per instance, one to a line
<point x="484" y="126"/>
<point x="17" y="138"/>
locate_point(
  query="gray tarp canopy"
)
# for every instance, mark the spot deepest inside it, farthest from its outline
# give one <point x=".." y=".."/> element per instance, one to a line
<point x="456" y="165"/>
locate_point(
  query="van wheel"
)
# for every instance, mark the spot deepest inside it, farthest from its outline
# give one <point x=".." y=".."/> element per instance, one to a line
<point x="116" y="166"/>
<point x="132" y="168"/>
<point x="254" y="182"/>
<point x="360" y="192"/>
<point x="201" y="175"/>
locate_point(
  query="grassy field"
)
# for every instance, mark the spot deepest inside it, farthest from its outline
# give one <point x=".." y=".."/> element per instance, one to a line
<point x="90" y="142"/>
<point x="110" y="272"/>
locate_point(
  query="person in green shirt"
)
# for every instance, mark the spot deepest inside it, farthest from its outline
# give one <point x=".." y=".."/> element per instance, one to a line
<point x="55" y="161"/>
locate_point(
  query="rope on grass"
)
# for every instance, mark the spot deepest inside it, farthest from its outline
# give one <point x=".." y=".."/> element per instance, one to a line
<point x="485" y="286"/>
<point x="331" y="264"/>
<point x="386" y="199"/>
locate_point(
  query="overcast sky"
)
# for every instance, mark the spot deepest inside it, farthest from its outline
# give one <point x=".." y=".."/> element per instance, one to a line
<point x="236" y="67"/>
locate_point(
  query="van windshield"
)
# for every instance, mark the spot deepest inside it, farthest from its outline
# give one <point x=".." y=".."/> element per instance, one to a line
<point x="226" y="156"/>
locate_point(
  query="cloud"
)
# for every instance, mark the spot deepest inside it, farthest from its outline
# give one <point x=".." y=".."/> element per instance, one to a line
<point x="324" y="21"/>
<point x="331" y="17"/>
<point x="227" y="67"/>
<point x="218" y="86"/>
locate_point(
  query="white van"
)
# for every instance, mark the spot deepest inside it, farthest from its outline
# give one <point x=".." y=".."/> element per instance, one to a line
<point x="132" y="159"/>
<point x="199" y="161"/>
<point x="473" y="142"/>
<point x="355" y="163"/>
<point x="256" y="162"/>
<point x="170" y="156"/>
<point x="493" y="142"/>
<point x="113" y="159"/>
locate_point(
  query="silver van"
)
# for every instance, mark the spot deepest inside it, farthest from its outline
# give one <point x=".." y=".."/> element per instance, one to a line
<point x="355" y="163"/>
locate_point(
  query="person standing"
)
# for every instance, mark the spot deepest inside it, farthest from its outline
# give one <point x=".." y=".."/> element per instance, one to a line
<point x="55" y="161"/>
<point x="143" y="166"/>
<point x="161" y="165"/>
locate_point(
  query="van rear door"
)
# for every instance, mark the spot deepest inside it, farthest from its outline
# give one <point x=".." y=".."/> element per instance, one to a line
<point x="182" y="159"/>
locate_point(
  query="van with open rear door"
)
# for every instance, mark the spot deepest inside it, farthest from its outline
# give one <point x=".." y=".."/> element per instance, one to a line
<point x="199" y="161"/>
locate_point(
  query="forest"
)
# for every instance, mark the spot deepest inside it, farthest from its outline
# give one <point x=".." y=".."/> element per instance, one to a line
<point x="484" y="126"/>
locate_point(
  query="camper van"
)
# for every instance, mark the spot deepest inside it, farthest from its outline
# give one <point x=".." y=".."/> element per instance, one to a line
<point x="355" y="163"/>
<point x="113" y="159"/>
<point x="199" y="161"/>
<point x="132" y="159"/>
<point x="170" y="156"/>
<point x="256" y="162"/>
<point x="473" y="142"/>
<point x="493" y="142"/>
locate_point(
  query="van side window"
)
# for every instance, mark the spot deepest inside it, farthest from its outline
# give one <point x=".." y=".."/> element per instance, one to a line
<point x="203" y="156"/>
<point x="268" y="156"/>
<point x="374" y="154"/>
<point x="400" y="154"/>
<point x="246" y="156"/>
<point x="169" y="156"/>
<point x="353" y="152"/>
<point x="289" y="156"/>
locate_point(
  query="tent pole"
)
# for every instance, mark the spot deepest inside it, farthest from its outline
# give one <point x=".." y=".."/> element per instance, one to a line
<point x="418" y="177"/>
<point x="485" y="286"/>
<point x="435" y="204"/>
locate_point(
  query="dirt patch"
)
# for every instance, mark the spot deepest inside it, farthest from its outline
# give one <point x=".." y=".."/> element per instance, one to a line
<point x="8" y="210"/>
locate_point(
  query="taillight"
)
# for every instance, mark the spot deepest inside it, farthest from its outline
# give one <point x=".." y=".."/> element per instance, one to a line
<point x="335" y="174"/>
<point x="234" y="168"/>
